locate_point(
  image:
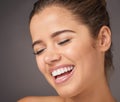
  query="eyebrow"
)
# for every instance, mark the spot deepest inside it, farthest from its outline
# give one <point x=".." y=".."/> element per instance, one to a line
<point x="59" y="32"/>
<point x="52" y="36"/>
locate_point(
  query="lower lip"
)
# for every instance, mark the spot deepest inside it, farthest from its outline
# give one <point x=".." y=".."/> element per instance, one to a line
<point x="63" y="78"/>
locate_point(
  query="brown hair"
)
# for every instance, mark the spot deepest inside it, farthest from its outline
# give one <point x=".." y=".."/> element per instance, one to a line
<point x="93" y="13"/>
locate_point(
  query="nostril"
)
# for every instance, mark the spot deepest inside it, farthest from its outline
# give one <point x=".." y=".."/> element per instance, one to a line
<point x="49" y="59"/>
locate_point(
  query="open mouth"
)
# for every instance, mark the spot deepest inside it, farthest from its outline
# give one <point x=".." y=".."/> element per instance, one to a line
<point x="62" y="74"/>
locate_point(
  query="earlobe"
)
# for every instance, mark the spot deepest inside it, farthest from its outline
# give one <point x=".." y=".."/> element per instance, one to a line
<point x="104" y="38"/>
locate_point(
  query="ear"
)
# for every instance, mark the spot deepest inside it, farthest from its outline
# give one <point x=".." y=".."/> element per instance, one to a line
<point x="104" y="38"/>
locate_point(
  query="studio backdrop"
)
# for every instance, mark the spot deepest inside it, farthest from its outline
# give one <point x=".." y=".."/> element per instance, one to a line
<point x="19" y="75"/>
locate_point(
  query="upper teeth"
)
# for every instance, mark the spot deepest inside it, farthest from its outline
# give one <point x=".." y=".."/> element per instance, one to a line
<point x="61" y="70"/>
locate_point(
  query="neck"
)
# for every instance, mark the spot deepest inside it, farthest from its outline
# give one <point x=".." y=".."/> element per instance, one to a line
<point x="99" y="92"/>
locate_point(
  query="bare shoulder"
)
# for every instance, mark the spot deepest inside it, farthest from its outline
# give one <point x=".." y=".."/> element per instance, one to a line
<point x="41" y="99"/>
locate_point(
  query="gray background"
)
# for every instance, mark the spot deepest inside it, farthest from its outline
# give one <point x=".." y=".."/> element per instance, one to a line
<point x="19" y="75"/>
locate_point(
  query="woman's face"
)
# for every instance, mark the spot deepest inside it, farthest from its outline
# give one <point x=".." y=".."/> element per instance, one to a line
<point x="64" y="51"/>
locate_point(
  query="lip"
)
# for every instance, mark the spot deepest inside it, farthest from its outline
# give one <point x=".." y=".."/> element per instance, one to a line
<point x="62" y="78"/>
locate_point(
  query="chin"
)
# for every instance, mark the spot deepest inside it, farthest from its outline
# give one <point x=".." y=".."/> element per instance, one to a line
<point x="68" y="92"/>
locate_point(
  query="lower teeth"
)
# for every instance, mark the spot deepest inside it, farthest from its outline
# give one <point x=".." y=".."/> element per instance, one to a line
<point x="63" y="74"/>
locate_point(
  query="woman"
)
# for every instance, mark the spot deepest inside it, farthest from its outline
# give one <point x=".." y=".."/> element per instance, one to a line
<point x="72" y="44"/>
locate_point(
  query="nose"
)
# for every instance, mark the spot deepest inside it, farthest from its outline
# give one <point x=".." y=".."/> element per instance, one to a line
<point x="52" y="57"/>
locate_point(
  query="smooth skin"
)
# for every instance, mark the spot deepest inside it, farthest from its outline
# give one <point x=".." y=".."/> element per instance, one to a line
<point x="72" y="46"/>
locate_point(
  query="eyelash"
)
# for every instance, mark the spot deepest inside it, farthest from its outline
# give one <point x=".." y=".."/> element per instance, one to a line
<point x="64" y="42"/>
<point x="39" y="52"/>
<point x="60" y="43"/>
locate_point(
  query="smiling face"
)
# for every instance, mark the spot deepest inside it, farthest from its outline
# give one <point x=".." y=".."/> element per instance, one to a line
<point x="65" y="53"/>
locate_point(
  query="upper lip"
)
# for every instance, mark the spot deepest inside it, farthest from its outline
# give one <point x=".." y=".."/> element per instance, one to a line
<point x="59" y="67"/>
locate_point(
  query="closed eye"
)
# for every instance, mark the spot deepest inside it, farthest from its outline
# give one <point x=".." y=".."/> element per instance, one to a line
<point x="64" y="42"/>
<point x="39" y="52"/>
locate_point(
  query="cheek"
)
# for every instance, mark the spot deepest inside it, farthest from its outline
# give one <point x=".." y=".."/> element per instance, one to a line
<point x="77" y="52"/>
<point x="40" y="64"/>
<point x="84" y="56"/>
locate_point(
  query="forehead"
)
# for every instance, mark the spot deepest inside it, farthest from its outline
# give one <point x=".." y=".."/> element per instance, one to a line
<point x="53" y="19"/>
<point x="52" y="14"/>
